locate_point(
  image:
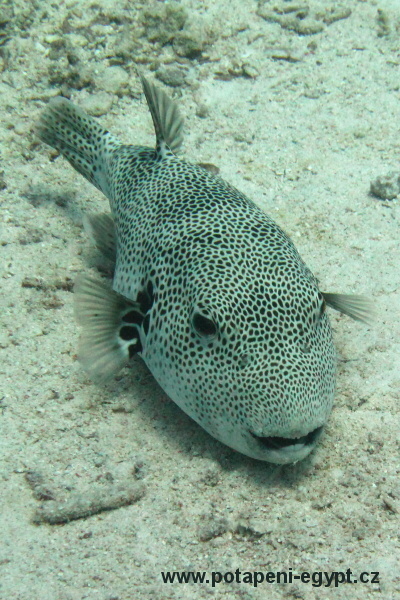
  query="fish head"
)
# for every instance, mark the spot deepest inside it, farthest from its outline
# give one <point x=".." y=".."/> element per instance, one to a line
<point x="245" y="348"/>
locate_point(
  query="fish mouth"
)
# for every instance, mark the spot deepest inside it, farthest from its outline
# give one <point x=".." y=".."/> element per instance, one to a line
<point x="284" y="444"/>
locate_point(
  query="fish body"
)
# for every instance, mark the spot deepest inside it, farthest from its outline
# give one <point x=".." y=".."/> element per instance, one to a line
<point x="207" y="289"/>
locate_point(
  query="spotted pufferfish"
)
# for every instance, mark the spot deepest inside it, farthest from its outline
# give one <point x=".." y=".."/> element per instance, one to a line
<point x="207" y="289"/>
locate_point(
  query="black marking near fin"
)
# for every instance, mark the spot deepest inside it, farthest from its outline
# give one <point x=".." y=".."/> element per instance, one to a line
<point x="132" y="317"/>
<point x="101" y="228"/>
<point x="100" y="310"/>
<point x="168" y="123"/>
<point x="145" y="300"/>
<point x="358" y="308"/>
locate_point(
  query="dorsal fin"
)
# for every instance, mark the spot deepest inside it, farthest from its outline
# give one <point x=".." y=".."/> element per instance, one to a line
<point x="168" y="123"/>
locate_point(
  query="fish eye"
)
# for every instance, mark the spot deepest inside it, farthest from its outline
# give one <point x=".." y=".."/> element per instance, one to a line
<point x="204" y="326"/>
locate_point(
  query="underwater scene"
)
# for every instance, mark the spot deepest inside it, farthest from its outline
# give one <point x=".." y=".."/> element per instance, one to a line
<point x="200" y="299"/>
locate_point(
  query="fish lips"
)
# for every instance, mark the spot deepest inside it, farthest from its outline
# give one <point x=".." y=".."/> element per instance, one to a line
<point x="285" y="450"/>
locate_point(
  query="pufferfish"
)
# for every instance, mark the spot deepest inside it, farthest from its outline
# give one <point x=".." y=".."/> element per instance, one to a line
<point x="207" y="289"/>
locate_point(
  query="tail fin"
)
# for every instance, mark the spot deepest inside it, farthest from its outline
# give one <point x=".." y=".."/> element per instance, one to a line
<point x="80" y="139"/>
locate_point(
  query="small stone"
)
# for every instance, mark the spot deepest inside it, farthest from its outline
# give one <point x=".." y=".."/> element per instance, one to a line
<point x="78" y="506"/>
<point x="297" y="21"/>
<point x="391" y="504"/>
<point x="212" y="527"/>
<point x="333" y="14"/>
<point x="243" y="137"/>
<point x="383" y="23"/>
<point x="189" y="43"/>
<point x="284" y="54"/>
<point x="202" y="110"/>
<point x="172" y="76"/>
<point x="228" y="69"/>
<point x="55" y="41"/>
<point x="162" y="21"/>
<point x="250" y="71"/>
<point x="126" y="45"/>
<point x="386" y="187"/>
<point x="113" y="79"/>
<point x="98" y="104"/>
<point x="77" y="40"/>
<point x="306" y="26"/>
<point x="251" y="528"/>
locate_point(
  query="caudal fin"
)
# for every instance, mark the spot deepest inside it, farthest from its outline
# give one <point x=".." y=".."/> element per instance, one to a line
<point x="80" y="139"/>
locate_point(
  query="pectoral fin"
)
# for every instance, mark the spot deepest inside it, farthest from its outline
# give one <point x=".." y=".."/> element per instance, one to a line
<point x="359" y="308"/>
<point x="110" y="328"/>
<point x="101" y="228"/>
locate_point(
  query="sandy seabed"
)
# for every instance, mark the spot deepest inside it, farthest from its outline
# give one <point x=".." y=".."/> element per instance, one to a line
<point x="299" y="114"/>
